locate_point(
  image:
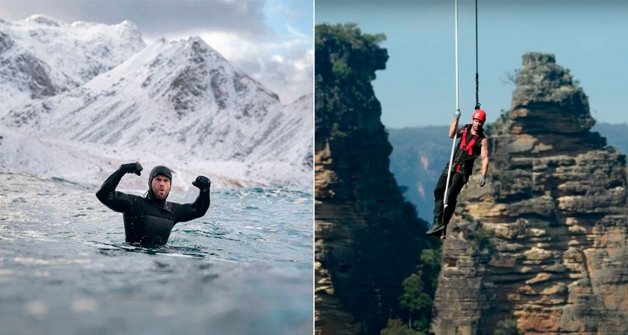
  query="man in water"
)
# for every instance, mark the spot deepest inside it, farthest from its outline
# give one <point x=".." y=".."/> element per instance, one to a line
<point x="472" y="144"/>
<point x="149" y="220"/>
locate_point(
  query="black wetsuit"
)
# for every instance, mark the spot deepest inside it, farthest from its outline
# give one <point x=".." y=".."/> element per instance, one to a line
<point x="463" y="167"/>
<point x="149" y="221"/>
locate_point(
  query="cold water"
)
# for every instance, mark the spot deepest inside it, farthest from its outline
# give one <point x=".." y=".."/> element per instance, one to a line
<point x="243" y="268"/>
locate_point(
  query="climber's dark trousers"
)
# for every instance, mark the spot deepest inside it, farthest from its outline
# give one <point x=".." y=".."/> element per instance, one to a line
<point x="457" y="180"/>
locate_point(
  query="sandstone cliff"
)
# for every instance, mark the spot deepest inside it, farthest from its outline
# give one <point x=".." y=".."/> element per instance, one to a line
<point x="367" y="238"/>
<point x="542" y="248"/>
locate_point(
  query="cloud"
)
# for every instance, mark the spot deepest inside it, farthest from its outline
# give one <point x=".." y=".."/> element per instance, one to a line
<point x="285" y="67"/>
<point x="153" y="17"/>
<point x="256" y="36"/>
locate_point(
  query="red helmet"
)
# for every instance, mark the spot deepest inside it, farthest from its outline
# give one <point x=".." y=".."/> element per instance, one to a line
<point x="479" y="114"/>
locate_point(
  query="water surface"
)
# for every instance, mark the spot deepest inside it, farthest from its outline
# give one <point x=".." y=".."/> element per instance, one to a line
<point x="243" y="268"/>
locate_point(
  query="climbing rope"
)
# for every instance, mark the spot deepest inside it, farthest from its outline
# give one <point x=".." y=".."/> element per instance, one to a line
<point x="456" y="53"/>
<point x="477" y="72"/>
<point x="453" y="142"/>
<point x="477" y="90"/>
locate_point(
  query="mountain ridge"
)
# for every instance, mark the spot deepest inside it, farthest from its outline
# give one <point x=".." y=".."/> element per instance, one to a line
<point x="40" y="57"/>
<point x="182" y="99"/>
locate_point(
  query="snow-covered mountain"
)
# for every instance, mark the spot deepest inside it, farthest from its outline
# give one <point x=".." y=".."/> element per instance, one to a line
<point x="174" y="101"/>
<point x="40" y="57"/>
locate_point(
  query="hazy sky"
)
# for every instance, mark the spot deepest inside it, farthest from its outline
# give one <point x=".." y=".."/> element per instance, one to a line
<point x="270" y="40"/>
<point x="590" y="38"/>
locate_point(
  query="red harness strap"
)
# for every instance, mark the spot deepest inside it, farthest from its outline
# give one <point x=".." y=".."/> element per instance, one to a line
<point x="469" y="146"/>
<point x="464" y="146"/>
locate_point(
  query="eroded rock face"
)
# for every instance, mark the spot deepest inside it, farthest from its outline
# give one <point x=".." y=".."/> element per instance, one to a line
<point x="542" y="247"/>
<point x="367" y="238"/>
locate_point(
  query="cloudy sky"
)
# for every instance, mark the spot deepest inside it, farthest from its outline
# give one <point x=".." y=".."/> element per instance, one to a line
<point x="271" y="40"/>
<point x="418" y="86"/>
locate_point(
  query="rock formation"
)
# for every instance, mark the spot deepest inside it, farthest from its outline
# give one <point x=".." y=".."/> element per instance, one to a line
<point x="367" y="237"/>
<point x="541" y="249"/>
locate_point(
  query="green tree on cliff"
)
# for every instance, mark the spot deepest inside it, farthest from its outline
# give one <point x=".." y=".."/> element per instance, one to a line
<point x="396" y="327"/>
<point x="417" y="297"/>
<point x="346" y="61"/>
<point x="418" y="292"/>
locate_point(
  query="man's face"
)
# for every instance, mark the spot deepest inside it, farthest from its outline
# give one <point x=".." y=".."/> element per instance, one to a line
<point x="477" y="124"/>
<point x="161" y="186"/>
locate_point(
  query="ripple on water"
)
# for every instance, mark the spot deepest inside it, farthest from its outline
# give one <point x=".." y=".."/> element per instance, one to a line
<point x="64" y="263"/>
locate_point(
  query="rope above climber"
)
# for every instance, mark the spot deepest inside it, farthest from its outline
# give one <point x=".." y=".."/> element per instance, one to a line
<point x="472" y="144"/>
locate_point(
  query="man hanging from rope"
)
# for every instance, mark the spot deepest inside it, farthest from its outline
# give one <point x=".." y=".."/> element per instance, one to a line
<point x="472" y="144"/>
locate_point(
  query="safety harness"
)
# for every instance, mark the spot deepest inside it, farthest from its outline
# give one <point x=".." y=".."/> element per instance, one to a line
<point x="467" y="147"/>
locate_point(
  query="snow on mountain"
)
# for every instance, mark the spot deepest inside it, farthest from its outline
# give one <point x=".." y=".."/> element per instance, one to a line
<point x="282" y="144"/>
<point x="90" y="164"/>
<point x="182" y="97"/>
<point x="178" y="103"/>
<point x="40" y="57"/>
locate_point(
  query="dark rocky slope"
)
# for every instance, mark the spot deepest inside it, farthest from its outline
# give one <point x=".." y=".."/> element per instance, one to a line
<point x="368" y="238"/>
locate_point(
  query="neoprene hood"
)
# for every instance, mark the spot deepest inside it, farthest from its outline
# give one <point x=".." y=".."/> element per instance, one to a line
<point x="159" y="169"/>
